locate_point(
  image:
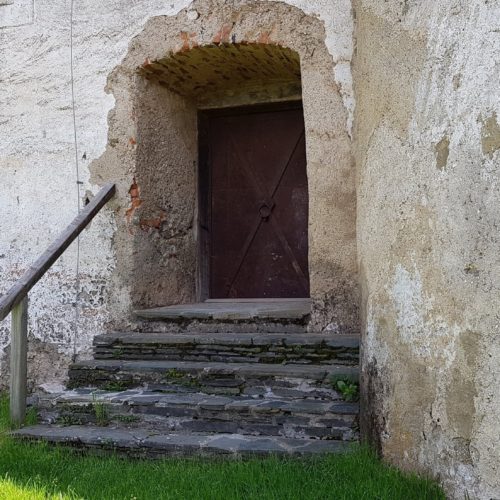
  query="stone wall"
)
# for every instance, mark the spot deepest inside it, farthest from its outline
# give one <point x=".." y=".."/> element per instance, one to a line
<point x="427" y="137"/>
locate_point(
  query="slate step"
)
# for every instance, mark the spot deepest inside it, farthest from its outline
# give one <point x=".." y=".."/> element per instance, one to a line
<point x="209" y="326"/>
<point x="251" y="379"/>
<point x="228" y="315"/>
<point x="233" y="310"/>
<point x="315" y="419"/>
<point x="146" y="444"/>
<point x="232" y="347"/>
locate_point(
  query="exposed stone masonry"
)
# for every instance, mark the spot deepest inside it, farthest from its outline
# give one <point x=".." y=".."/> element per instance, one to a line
<point x="180" y="394"/>
<point x="141" y="443"/>
<point x="301" y="349"/>
<point x="306" y="418"/>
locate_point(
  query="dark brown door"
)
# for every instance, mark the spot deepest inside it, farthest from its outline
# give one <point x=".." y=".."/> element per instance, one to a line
<point x="257" y="203"/>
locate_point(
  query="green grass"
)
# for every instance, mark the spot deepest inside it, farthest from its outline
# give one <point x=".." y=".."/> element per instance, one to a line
<point x="32" y="472"/>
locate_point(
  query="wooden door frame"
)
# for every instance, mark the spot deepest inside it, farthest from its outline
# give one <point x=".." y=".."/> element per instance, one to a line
<point x="205" y="184"/>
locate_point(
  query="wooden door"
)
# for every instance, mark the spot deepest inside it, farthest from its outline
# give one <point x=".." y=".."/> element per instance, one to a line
<point x="255" y="197"/>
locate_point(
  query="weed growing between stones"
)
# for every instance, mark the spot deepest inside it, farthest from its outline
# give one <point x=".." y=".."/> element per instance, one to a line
<point x="100" y="412"/>
<point x="114" y="386"/>
<point x="69" y="419"/>
<point x="117" y="353"/>
<point x="348" y="387"/>
<point x="181" y="378"/>
<point x="126" y="419"/>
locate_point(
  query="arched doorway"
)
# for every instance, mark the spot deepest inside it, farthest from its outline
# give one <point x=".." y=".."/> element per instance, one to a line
<point x="178" y="71"/>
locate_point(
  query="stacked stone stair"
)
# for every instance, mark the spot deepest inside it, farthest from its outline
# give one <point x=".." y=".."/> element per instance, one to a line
<point x="159" y="394"/>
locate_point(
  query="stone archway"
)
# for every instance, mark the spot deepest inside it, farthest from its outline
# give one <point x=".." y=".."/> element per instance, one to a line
<point x="152" y="150"/>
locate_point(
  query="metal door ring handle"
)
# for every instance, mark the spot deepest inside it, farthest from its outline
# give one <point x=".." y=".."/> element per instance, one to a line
<point x="264" y="211"/>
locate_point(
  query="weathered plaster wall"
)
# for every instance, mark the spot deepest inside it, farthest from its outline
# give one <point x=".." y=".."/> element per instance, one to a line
<point x="37" y="159"/>
<point x="427" y="148"/>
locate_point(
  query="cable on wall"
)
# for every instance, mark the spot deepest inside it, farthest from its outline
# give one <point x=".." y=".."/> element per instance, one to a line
<point x="78" y="184"/>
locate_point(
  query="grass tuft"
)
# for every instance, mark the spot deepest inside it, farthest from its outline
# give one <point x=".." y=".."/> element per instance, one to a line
<point x="100" y="411"/>
<point x="5" y="423"/>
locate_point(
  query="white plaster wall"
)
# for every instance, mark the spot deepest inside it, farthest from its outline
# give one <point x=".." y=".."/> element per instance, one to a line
<point x="37" y="152"/>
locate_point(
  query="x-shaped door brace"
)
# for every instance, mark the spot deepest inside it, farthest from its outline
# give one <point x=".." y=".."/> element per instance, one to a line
<point x="265" y="212"/>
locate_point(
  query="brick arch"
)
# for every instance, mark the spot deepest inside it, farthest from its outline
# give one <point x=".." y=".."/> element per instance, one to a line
<point x="229" y="74"/>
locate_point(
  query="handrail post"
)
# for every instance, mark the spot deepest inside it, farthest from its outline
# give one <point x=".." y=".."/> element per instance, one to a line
<point x="18" y="362"/>
<point x="15" y="301"/>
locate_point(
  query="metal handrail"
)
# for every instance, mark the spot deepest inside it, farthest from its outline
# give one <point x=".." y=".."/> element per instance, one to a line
<point x="16" y="300"/>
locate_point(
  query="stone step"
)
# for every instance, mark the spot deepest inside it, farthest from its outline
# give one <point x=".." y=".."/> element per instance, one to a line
<point x="228" y="315"/>
<point x="209" y="326"/>
<point x="251" y="379"/>
<point x="230" y="347"/>
<point x="233" y="310"/>
<point x="197" y="412"/>
<point x="144" y="443"/>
